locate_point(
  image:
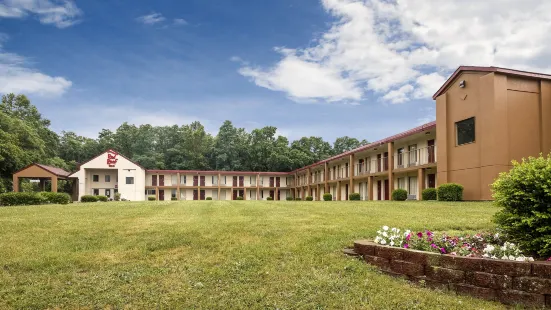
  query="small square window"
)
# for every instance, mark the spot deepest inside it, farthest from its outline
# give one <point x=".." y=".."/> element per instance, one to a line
<point x="95" y="178"/>
<point x="465" y="131"/>
<point x="107" y="178"/>
<point x="96" y="192"/>
<point x="129" y="180"/>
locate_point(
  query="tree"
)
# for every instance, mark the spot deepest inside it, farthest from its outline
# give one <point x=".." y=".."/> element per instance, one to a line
<point x="346" y="143"/>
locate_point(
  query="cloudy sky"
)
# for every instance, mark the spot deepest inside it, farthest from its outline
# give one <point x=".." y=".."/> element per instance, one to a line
<point x="364" y="68"/>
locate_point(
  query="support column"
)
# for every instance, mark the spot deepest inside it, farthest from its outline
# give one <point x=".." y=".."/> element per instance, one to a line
<point x="219" y="181"/>
<point x="54" y="184"/>
<point x="308" y="180"/>
<point x="370" y="188"/>
<point x="258" y="187"/>
<point x="351" y="175"/>
<point x="178" y="186"/>
<point x="325" y="177"/>
<point x="420" y="182"/>
<point x="15" y="183"/>
<point x="318" y="196"/>
<point x="390" y="160"/>
<point x="339" y="190"/>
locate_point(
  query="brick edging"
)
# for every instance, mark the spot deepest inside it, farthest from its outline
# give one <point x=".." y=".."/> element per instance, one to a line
<point x="509" y="282"/>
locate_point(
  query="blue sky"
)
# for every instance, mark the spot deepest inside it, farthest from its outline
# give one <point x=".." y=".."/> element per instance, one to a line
<point x="325" y="68"/>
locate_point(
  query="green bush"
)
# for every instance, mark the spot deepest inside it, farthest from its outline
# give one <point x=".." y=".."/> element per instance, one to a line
<point x="239" y="198"/>
<point x="289" y="198"/>
<point x="151" y="198"/>
<point x="450" y="192"/>
<point x="298" y="199"/>
<point x="327" y="197"/>
<point x="354" y="196"/>
<point x="102" y="198"/>
<point x="429" y="194"/>
<point x="89" y="198"/>
<point x="524" y="193"/>
<point x="399" y="194"/>
<point x="19" y="199"/>
<point x="270" y="198"/>
<point x="173" y="198"/>
<point x="309" y="198"/>
<point x="208" y="198"/>
<point x="117" y="196"/>
<point x="56" y="198"/>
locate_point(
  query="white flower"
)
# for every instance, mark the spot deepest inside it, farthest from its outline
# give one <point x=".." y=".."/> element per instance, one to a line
<point x="520" y="259"/>
<point x="511" y="257"/>
<point x="496" y="236"/>
<point x="530" y="259"/>
<point x="392" y="243"/>
<point x="385" y="227"/>
<point x="485" y="255"/>
<point x="494" y="257"/>
<point x="385" y="234"/>
<point x="504" y="257"/>
<point x="377" y="239"/>
<point x="383" y="241"/>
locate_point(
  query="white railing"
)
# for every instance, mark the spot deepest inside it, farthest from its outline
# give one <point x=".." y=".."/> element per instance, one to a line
<point x="373" y="165"/>
<point x="416" y="157"/>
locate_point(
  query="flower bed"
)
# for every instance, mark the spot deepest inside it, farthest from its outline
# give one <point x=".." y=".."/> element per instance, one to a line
<point x="485" y="245"/>
<point x="482" y="265"/>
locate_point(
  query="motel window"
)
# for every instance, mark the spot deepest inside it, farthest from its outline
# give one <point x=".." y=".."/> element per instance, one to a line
<point x="108" y="192"/>
<point x="465" y="131"/>
<point x="95" y="178"/>
<point x="174" y="179"/>
<point x="183" y="179"/>
<point x="400" y="157"/>
<point x="150" y="192"/>
<point x="129" y="180"/>
<point x="107" y="178"/>
<point x="96" y="192"/>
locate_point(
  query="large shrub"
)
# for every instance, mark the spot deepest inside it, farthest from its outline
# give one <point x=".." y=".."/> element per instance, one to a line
<point x="89" y="198"/>
<point x="327" y="197"/>
<point x="524" y="193"/>
<point x="289" y="198"/>
<point x="102" y="198"/>
<point x="270" y="198"/>
<point x="309" y="198"/>
<point x="239" y="198"/>
<point x="151" y="198"/>
<point x="399" y="194"/>
<point x="450" y="192"/>
<point x="173" y="198"/>
<point x="208" y="198"/>
<point x="19" y="199"/>
<point x="298" y="199"/>
<point x="56" y="198"/>
<point x="429" y="194"/>
<point x="354" y="196"/>
<point x="117" y="196"/>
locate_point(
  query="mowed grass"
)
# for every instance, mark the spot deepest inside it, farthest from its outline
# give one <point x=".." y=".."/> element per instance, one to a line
<point x="216" y="255"/>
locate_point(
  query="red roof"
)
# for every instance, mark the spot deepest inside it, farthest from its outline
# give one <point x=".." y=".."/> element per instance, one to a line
<point x="223" y="172"/>
<point x="404" y="134"/>
<point x="53" y="170"/>
<point x="461" y="69"/>
<point x="110" y="150"/>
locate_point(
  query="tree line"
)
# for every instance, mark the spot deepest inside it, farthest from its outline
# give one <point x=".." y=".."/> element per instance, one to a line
<point x="26" y="137"/>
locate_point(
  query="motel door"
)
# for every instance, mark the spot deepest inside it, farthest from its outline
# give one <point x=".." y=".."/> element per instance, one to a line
<point x="235" y="181"/>
<point x="387" y="190"/>
<point x="154" y="180"/>
<point x="378" y="162"/>
<point x="278" y="194"/>
<point x="161" y="195"/>
<point x="431" y="150"/>
<point x="346" y="192"/>
<point x="195" y="194"/>
<point x="278" y="180"/>
<point x="272" y="182"/>
<point x="385" y="162"/>
<point x="202" y="194"/>
<point x="195" y="180"/>
<point x="272" y="194"/>
<point x="161" y="180"/>
<point x="202" y="180"/>
<point x="432" y="180"/>
<point x="241" y="181"/>
<point x="379" y="189"/>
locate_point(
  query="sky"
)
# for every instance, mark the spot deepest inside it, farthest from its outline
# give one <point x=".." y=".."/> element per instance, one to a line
<point x="329" y="68"/>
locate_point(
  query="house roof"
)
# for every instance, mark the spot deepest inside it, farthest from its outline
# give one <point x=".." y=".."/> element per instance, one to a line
<point x="110" y="150"/>
<point x="214" y="172"/>
<point x="53" y="170"/>
<point x="461" y="69"/>
<point x="375" y="144"/>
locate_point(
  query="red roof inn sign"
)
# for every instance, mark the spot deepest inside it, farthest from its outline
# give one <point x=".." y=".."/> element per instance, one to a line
<point x="111" y="158"/>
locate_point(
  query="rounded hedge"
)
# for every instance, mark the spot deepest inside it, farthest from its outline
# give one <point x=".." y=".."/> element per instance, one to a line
<point x="524" y="193"/>
<point x="21" y="199"/>
<point x="289" y="198"/>
<point x="309" y="198"/>
<point x="399" y="194"/>
<point x="354" y="196"/>
<point x="173" y="198"/>
<point x="117" y="196"/>
<point x="327" y="197"/>
<point x="239" y="198"/>
<point x="298" y="199"/>
<point x="450" y="192"/>
<point x="429" y="194"/>
<point x="151" y="198"/>
<point x="208" y="198"/>
<point x="102" y="198"/>
<point x="56" y="198"/>
<point x="89" y="198"/>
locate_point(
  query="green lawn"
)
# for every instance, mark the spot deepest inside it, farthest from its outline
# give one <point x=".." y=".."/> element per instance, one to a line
<point x="212" y="254"/>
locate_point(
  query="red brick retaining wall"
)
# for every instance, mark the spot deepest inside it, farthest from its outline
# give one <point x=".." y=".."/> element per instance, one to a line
<point x="510" y="282"/>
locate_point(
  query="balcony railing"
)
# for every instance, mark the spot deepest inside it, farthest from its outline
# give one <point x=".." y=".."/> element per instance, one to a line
<point x="371" y="166"/>
<point x="418" y="157"/>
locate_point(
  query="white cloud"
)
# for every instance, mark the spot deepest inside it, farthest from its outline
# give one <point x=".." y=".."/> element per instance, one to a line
<point x="179" y="22"/>
<point x="61" y="13"/>
<point x="151" y="19"/>
<point x="401" y="50"/>
<point x="17" y="77"/>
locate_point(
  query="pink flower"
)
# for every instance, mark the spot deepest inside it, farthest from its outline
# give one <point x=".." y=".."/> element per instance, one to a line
<point x="443" y="250"/>
<point x="434" y="246"/>
<point x="430" y="239"/>
<point x="549" y="259"/>
<point x="406" y="246"/>
<point x="408" y="237"/>
<point x="429" y="233"/>
<point x="453" y="253"/>
<point x="420" y="235"/>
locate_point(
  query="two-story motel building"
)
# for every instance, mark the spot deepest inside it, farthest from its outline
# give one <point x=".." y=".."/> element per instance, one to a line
<point x="485" y="117"/>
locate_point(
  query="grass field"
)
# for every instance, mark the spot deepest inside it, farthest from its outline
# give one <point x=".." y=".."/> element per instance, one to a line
<point x="211" y="254"/>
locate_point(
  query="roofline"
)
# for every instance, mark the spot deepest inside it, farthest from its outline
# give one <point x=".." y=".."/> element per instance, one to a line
<point x="213" y="172"/>
<point x="43" y="168"/>
<point x="118" y="153"/>
<point x="403" y="134"/>
<point x="461" y="69"/>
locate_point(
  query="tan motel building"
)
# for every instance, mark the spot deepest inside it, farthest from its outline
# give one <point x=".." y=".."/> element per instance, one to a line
<point x="485" y="118"/>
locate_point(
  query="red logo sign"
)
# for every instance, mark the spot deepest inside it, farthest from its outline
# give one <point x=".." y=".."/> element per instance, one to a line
<point x="111" y="158"/>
